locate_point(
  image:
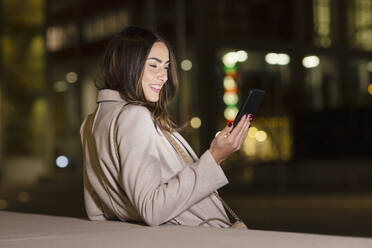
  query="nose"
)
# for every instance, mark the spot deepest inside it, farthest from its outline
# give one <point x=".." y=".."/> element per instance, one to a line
<point x="163" y="75"/>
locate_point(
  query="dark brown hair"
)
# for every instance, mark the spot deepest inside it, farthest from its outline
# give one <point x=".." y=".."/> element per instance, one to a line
<point x="123" y="67"/>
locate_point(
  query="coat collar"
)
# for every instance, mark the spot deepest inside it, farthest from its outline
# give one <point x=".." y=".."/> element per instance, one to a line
<point x="108" y="95"/>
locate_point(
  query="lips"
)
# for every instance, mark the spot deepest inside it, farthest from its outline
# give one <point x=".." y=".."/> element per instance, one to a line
<point x="155" y="87"/>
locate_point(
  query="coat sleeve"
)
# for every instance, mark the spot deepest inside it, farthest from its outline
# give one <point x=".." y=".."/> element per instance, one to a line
<point x="156" y="201"/>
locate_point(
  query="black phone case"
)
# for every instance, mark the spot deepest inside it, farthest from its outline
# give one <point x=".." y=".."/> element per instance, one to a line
<point x="251" y="104"/>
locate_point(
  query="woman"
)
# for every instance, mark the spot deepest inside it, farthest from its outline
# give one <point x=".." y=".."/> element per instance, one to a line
<point x="132" y="171"/>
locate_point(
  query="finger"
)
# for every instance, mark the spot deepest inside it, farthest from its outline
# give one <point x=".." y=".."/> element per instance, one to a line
<point x="243" y="134"/>
<point x="235" y="132"/>
<point x="226" y="131"/>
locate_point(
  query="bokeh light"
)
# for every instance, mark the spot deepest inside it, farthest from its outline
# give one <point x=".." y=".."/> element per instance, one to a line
<point x="71" y="77"/>
<point x="230" y="59"/>
<point x="229" y="83"/>
<point x="195" y="122"/>
<point x="277" y="59"/>
<point x="310" y="61"/>
<point x="230" y="113"/>
<point x="62" y="161"/>
<point x="60" y="86"/>
<point x="24" y="197"/>
<point x="186" y="65"/>
<point x="241" y="56"/>
<point x="370" y="89"/>
<point x="252" y="132"/>
<point x="230" y="98"/>
<point x="261" y="136"/>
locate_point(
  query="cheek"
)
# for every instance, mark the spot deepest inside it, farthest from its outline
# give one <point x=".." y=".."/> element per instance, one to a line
<point x="147" y="76"/>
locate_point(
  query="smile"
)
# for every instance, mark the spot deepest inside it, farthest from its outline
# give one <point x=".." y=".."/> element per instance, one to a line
<point x="155" y="88"/>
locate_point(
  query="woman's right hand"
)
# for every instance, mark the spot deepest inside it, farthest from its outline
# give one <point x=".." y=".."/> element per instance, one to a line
<point x="229" y="140"/>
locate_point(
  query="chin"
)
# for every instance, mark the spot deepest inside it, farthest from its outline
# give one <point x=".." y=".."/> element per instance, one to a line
<point x="153" y="99"/>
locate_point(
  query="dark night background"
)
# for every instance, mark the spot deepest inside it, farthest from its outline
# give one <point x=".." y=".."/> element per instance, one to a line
<point x="306" y="165"/>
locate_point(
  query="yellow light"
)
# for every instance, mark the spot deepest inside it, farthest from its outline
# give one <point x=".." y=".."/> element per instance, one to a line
<point x="195" y="122"/>
<point x="249" y="147"/>
<point x="261" y="136"/>
<point x="310" y="61"/>
<point x="229" y="83"/>
<point x="252" y="132"/>
<point x="3" y="204"/>
<point x="186" y="65"/>
<point x="71" y="77"/>
<point x="24" y="197"/>
<point x="230" y="98"/>
<point x="370" y="89"/>
<point x="230" y="113"/>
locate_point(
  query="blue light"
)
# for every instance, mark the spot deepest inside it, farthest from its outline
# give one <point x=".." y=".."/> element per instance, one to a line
<point x="62" y="161"/>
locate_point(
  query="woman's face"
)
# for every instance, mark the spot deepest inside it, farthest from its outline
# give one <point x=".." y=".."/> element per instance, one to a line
<point x="155" y="73"/>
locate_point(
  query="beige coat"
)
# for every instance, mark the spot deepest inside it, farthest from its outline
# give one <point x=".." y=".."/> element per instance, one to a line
<point x="132" y="172"/>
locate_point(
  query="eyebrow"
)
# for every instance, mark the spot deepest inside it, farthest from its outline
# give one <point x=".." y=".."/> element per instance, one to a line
<point x="158" y="60"/>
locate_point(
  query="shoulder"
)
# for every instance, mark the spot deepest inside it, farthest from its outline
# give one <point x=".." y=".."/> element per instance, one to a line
<point x="135" y="117"/>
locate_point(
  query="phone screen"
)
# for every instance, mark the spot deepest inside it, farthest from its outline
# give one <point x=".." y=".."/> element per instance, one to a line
<point x="251" y="104"/>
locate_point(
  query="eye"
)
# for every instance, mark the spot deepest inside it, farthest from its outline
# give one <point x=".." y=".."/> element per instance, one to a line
<point x="153" y="66"/>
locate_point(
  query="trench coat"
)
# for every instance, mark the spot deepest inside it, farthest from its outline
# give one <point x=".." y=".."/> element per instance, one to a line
<point x="132" y="173"/>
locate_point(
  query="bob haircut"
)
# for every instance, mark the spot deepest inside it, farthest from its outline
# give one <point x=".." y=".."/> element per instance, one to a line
<point x="123" y="67"/>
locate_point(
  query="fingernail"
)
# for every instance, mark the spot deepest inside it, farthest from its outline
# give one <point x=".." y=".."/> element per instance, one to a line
<point x="230" y="124"/>
<point x="246" y="116"/>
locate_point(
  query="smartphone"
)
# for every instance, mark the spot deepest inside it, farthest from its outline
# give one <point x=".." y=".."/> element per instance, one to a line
<point x="251" y="104"/>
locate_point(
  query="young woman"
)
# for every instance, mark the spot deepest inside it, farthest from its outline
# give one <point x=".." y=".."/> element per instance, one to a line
<point x="132" y="169"/>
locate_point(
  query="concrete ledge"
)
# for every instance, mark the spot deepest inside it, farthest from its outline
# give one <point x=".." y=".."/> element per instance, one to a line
<point x="39" y="231"/>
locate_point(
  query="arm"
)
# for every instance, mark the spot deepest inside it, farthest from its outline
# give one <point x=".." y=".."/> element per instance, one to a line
<point x="155" y="201"/>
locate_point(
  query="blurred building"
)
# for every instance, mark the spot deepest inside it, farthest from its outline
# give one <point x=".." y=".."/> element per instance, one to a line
<point x="313" y="58"/>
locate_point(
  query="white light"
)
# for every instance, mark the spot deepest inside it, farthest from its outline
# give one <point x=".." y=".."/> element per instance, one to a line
<point x="62" y="161"/>
<point x="277" y="59"/>
<point x="283" y="59"/>
<point x="230" y="59"/>
<point x="369" y="66"/>
<point x="186" y="65"/>
<point x="310" y="61"/>
<point x="241" y="56"/>
<point x="195" y="122"/>
<point x="230" y="98"/>
<point x="229" y="83"/>
<point x="230" y="113"/>
<point x="60" y="86"/>
<point x="261" y="136"/>
<point x="71" y="77"/>
<point x="271" y="58"/>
